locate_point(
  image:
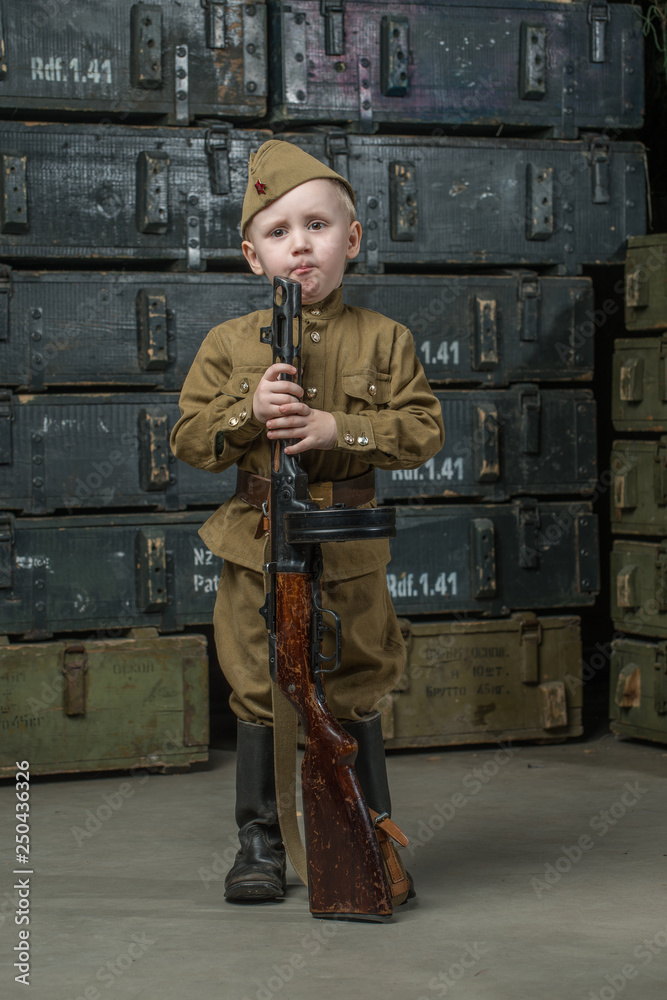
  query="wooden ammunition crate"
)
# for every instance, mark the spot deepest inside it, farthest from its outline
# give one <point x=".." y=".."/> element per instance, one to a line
<point x="97" y="450"/>
<point x="639" y="384"/>
<point x="646" y="282"/>
<point x="459" y="64"/>
<point x="485" y="681"/>
<point x="144" y="329"/>
<point x="639" y="586"/>
<point x="93" y="705"/>
<point x="638" y="689"/>
<point x="639" y="487"/>
<point x="92" y="192"/>
<point x="501" y="443"/>
<point x="162" y="60"/>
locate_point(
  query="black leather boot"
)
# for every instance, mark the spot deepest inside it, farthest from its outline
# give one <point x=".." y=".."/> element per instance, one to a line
<point x="371" y="768"/>
<point x="258" y="872"/>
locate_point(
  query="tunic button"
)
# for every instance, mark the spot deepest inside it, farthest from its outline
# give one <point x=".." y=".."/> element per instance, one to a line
<point x="243" y="414"/>
<point x="315" y="337"/>
<point x="311" y="392"/>
<point x="349" y="439"/>
<point x="362" y="439"/>
<point x="245" y="385"/>
<point x="234" y="420"/>
<point x="314" y="312"/>
<point x="372" y="389"/>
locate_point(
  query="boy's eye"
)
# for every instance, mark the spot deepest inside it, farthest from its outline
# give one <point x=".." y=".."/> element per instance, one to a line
<point x="317" y="225"/>
<point x="278" y="232"/>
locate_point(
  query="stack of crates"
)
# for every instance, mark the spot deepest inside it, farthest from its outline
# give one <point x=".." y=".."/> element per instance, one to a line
<point x="638" y="681"/>
<point x="484" y="143"/>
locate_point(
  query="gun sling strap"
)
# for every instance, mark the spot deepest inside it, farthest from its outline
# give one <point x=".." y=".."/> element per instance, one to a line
<point x="285" y="763"/>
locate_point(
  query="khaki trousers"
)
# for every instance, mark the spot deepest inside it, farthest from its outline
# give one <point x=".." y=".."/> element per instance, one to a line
<point x="373" y="653"/>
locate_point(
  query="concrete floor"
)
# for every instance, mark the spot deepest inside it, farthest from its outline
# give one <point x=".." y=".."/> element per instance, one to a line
<point x="540" y="873"/>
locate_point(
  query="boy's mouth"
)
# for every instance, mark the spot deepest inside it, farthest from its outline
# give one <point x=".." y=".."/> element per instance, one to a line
<point x="303" y="269"/>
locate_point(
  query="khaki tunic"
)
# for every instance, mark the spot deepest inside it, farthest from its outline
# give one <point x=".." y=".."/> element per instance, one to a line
<point x="361" y="367"/>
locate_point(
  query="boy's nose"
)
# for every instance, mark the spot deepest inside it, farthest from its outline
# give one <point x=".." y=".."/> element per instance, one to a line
<point x="300" y="242"/>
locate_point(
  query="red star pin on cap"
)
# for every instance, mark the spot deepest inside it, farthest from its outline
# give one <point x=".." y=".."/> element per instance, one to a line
<point x="260" y="187"/>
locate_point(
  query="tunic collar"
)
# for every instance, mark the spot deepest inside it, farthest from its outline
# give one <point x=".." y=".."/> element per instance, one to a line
<point x="328" y="308"/>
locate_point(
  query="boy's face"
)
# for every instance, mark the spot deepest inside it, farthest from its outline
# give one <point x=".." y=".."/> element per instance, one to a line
<point x="304" y="235"/>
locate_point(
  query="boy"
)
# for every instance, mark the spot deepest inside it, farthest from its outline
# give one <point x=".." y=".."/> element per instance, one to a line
<point x="365" y="403"/>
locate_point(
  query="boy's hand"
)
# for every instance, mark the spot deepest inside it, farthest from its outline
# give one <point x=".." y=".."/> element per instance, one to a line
<point x="311" y="428"/>
<point x="273" y="392"/>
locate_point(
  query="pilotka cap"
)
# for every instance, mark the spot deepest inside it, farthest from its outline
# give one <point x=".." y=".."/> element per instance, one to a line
<point x="277" y="167"/>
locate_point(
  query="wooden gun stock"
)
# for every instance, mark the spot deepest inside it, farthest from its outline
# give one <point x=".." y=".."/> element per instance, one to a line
<point x="345" y="867"/>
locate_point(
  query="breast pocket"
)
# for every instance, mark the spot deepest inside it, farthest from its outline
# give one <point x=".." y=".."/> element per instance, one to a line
<point x="367" y="387"/>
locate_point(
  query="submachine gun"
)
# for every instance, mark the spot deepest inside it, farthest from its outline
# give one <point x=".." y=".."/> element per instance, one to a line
<point x="346" y="874"/>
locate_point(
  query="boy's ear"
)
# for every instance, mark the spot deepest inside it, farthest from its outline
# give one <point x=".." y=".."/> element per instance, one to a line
<point x="251" y="257"/>
<point x="353" y="240"/>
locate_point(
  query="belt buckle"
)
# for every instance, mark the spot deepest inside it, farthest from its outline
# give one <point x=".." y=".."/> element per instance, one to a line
<point x="321" y="494"/>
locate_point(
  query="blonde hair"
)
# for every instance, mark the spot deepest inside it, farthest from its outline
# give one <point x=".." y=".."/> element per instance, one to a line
<point x="345" y="199"/>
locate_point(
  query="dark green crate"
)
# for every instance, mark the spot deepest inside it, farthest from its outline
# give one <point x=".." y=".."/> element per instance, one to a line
<point x="639" y="487"/>
<point x="638" y="689"/>
<point x="639" y="384"/>
<point x="646" y="282"/>
<point x="90" y="705"/>
<point x="104" y="574"/>
<point x="506" y="442"/>
<point x="97" y="450"/>
<point x="639" y="586"/>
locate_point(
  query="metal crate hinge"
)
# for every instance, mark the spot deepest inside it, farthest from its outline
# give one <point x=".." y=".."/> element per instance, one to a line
<point x="587" y="549"/>
<point x="216" y="144"/>
<point x="624" y="483"/>
<point x="14" y="193"/>
<point x="660" y="680"/>
<point x="254" y="50"/>
<point x="5" y="295"/>
<point x="38" y="460"/>
<point x="483" y="553"/>
<point x="75" y="668"/>
<point x="152" y="329"/>
<point x="486" y="442"/>
<point x="631" y="380"/>
<point x="152" y="191"/>
<point x="529" y="295"/>
<point x="6" y="550"/>
<point x="193" y="233"/>
<point x="403" y="201"/>
<point x="533" y="62"/>
<point x="599" y="157"/>
<point x="530" y="403"/>
<point x="530" y="640"/>
<point x="628" y="691"/>
<point x="553" y="705"/>
<point x="146" y="46"/>
<point x="6" y="429"/>
<point x="485" y="334"/>
<point x="599" y="16"/>
<point x="333" y="12"/>
<point x="181" y="85"/>
<point x="151" y="561"/>
<point x="539" y="202"/>
<point x="294" y="56"/>
<point x="215" y="23"/>
<point x="394" y="55"/>
<point x="365" y="95"/>
<point x="154" y="449"/>
<point x="372" y="230"/>
<point x="529" y="526"/>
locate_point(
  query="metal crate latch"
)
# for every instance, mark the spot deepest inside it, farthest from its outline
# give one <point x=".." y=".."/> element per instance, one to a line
<point x="152" y="329"/>
<point x="13" y="193"/>
<point x="529" y="295"/>
<point x="487" y="443"/>
<point x="154" y="449"/>
<point x="151" y="560"/>
<point x="6" y="430"/>
<point x="631" y="380"/>
<point x="146" y="46"/>
<point x="75" y="668"/>
<point x="403" y="201"/>
<point x="6" y="550"/>
<point x="531" y="411"/>
<point x="394" y="56"/>
<point x="333" y="12"/>
<point x="215" y="23"/>
<point x="153" y="192"/>
<point x="529" y="525"/>
<point x="530" y="640"/>
<point x="483" y="552"/>
<point x="533" y="62"/>
<point x="599" y="16"/>
<point x="553" y="705"/>
<point x="485" y="334"/>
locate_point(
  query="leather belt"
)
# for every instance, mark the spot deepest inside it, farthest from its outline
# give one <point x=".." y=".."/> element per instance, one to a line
<point x="351" y="492"/>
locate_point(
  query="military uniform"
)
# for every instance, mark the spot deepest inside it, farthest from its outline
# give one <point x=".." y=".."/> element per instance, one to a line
<point x="361" y="367"/>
